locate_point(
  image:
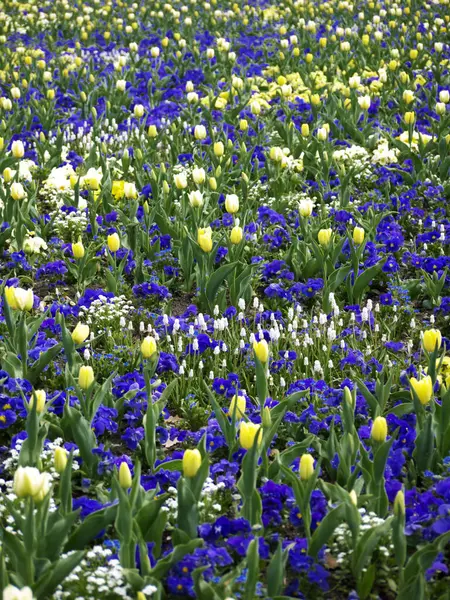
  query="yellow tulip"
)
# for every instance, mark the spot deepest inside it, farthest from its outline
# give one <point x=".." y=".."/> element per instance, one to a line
<point x="358" y="235"/>
<point x="125" y="478"/>
<point x="85" y="377"/>
<point x="261" y="349"/>
<point x="113" y="242"/>
<point x="305" y="130"/>
<point x="432" y="339"/>
<point x="306" y="467"/>
<point x="231" y="204"/>
<point x="422" y="388"/>
<point x="399" y="503"/>
<point x="19" y="299"/>
<point x="324" y="237"/>
<point x="237" y="403"/>
<point x="148" y="347"/>
<point x="247" y="434"/>
<point x="80" y="333"/>
<point x="60" y="459"/>
<point x="204" y="239"/>
<point x="379" y="429"/>
<point x="192" y="460"/>
<point x="236" y="235"/>
<point x="41" y="397"/>
<point x="410" y="117"/>
<point x="78" y="250"/>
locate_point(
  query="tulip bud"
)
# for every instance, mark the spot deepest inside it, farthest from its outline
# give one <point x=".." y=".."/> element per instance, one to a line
<point x="239" y="405"/>
<point x="180" y="180"/>
<point x="324" y="237"/>
<point x="152" y="131"/>
<point x="85" y="377"/>
<point x="236" y="235"/>
<point x="410" y="117"/>
<point x="138" y="111"/>
<point x="247" y="434"/>
<point x="422" y="388"/>
<point x="204" y="239"/>
<point x="261" y="350"/>
<point x="305" y="130"/>
<point x="266" y="417"/>
<point x="125" y="479"/>
<point x="399" y="504"/>
<point x="212" y="183"/>
<point x="17" y="149"/>
<point x="60" y="459"/>
<point x="431" y="340"/>
<point x="113" y="242"/>
<point x="306" y="467"/>
<point x="148" y="346"/>
<point x="7" y="175"/>
<point x="408" y="96"/>
<point x="231" y="203"/>
<point x="192" y="460"/>
<point x="444" y="96"/>
<point x="17" y="192"/>
<point x="130" y="192"/>
<point x="199" y="175"/>
<point x="27" y="482"/>
<point x="354" y="498"/>
<point x="358" y="235"/>
<point x="243" y="125"/>
<point x="364" y="102"/>
<point x="219" y="149"/>
<point x="379" y="429"/>
<point x="322" y="134"/>
<point x="2" y="143"/>
<point x="305" y="208"/>
<point x="40" y="397"/>
<point x="440" y="108"/>
<point x="196" y="198"/>
<point x="80" y="333"/>
<point x="199" y="132"/>
<point x="78" y="250"/>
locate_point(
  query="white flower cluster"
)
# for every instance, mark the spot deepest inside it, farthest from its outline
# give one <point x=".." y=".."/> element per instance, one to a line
<point x="383" y="155"/>
<point x="340" y="546"/>
<point x="208" y="506"/>
<point x="70" y="226"/>
<point x="354" y="156"/>
<point x="105" y="314"/>
<point x="97" y="577"/>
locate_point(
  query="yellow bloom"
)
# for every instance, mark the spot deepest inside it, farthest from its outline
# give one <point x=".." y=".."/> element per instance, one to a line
<point x="41" y="397"/>
<point x="358" y="235"/>
<point x="231" y="203"/>
<point x="80" y="333"/>
<point x="305" y="130"/>
<point x="247" y="434"/>
<point x="399" y="503"/>
<point x="239" y="404"/>
<point x="379" y="429"/>
<point x="422" y="388"/>
<point x="204" y="239"/>
<point x="261" y="349"/>
<point x="125" y="478"/>
<point x="113" y="242"/>
<point x="236" y="235"/>
<point x="78" y="250"/>
<point x="19" y="299"/>
<point x="27" y="482"/>
<point x="85" y="377"/>
<point x="306" y="467"/>
<point x="324" y="237"/>
<point x="432" y="339"/>
<point x="60" y="459"/>
<point x="410" y="117"/>
<point x="192" y="460"/>
<point x="148" y="347"/>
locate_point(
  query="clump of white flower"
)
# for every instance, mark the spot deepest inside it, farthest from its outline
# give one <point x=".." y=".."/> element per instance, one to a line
<point x="70" y="225"/>
<point x="354" y="157"/>
<point x="105" y="314"/>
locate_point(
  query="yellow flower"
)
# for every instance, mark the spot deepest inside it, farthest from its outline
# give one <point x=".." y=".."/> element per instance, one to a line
<point x="19" y="299"/>
<point x="219" y="149"/>
<point x="125" y="478"/>
<point x="432" y="339"/>
<point x="118" y="189"/>
<point x="152" y="131"/>
<point x="305" y="207"/>
<point x="60" y="459"/>
<point x="399" y="503"/>
<point x="78" y="250"/>
<point x="410" y="117"/>
<point x="408" y="96"/>
<point x="324" y="237"/>
<point x="27" y="482"/>
<point x="17" y="191"/>
<point x="192" y="460"/>
<point x="85" y="377"/>
<point x="247" y="434"/>
<point x="261" y="349"/>
<point x="306" y="467"/>
<point x="41" y="397"/>
<point x="379" y="429"/>
<point x="113" y="242"/>
<point x="236" y="235"/>
<point x="358" y="235"/>
<point x="305" y="129"/>
<point x="231" y="203"/>
<point x="422" y="388"/>
<point x="148" y="347"/>
<point x="239" y="405"/>
<point x="80" y="333"/>
<point x="204" y="239"/>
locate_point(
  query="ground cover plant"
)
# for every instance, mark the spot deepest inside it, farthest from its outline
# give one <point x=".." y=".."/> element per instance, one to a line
<point x="225" y="299"/>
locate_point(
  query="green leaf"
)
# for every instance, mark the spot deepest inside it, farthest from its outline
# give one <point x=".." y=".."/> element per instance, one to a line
<point x="253" y="570"/>
<point x="46" y="585"/>
<point x="325" y="530"/>
<point x="276" y="571"/>
<point x="91" y="527"/>
<point x="165" y="564"/>
<point x="216" y="280"/>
